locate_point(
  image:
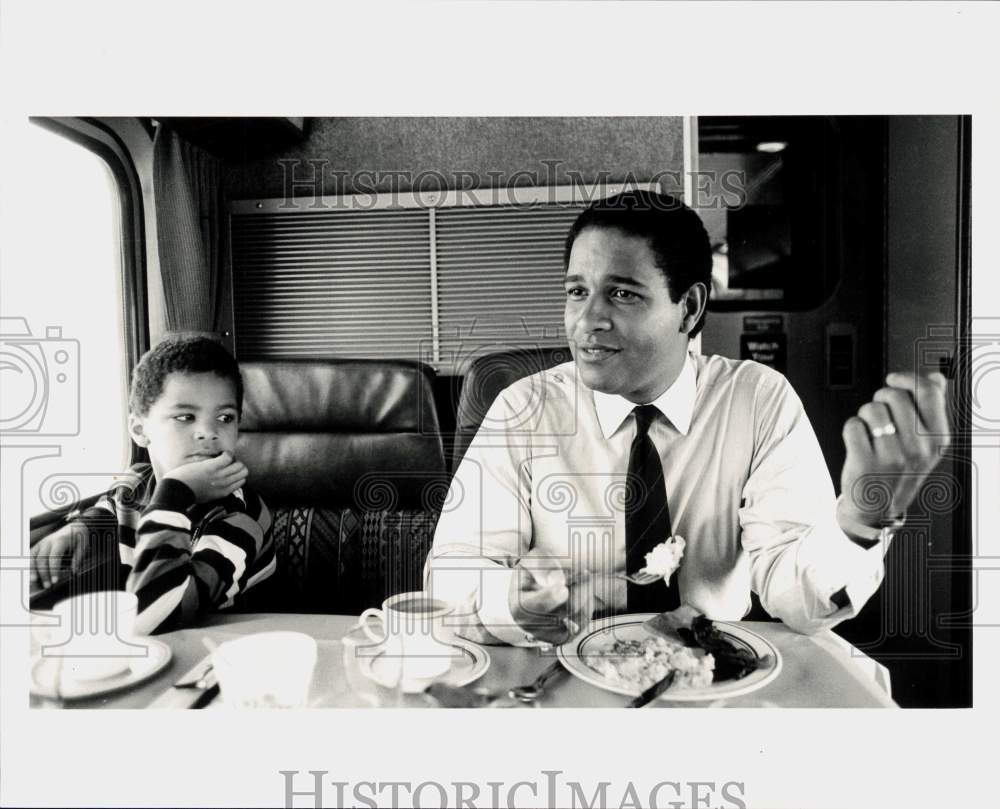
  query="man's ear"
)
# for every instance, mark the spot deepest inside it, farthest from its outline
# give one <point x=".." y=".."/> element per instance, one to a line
<point x="694" y="302"/>
<point x="135" y="429"/>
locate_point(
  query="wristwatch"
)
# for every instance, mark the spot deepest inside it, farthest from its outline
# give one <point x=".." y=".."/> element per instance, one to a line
<point x="868" y="536"/>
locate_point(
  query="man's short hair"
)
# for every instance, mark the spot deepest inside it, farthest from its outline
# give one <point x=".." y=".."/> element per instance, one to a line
<point x="185" y="355"/>
<point x="675" y="235"/>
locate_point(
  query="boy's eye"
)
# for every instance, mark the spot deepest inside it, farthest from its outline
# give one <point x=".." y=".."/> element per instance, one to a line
<point x="227" y="418"/>
<point x="185" y="417"/>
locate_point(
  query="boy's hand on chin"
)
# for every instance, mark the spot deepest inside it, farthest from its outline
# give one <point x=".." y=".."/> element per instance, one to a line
<point x="212" y="478"/>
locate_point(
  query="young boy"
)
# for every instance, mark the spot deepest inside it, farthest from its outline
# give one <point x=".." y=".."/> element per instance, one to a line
<point x="191" y="538"/>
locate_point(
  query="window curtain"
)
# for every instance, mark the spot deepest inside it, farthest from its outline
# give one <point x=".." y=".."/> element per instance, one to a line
<point x="187" y="188"/>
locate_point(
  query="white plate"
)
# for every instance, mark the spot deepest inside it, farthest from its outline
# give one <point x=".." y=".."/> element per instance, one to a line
<point x="601" y="635"/>
<point x="52" y="677"/>
<point x="467" y="667"/>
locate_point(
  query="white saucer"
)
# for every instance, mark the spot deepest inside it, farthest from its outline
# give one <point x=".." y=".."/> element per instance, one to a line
<point x="54" y="677"/>
<point x="466" y="667"/>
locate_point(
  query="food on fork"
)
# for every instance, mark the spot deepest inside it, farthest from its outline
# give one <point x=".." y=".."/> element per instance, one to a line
<point x="665" y="558"/>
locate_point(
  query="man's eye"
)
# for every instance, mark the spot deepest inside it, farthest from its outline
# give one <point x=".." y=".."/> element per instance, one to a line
<point x="624" y="295"/>
<point x="576" y="292"/>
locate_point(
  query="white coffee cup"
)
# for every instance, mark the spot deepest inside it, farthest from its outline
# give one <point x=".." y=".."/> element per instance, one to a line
<point x="413" y="629"/>
<point x="95" y="638"/>
<point x="265" y="670"/>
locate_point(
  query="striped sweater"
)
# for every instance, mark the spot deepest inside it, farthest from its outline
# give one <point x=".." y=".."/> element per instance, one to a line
<point x="184" y="559"/>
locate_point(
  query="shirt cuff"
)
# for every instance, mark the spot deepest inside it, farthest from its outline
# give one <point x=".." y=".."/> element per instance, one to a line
<point x="862" y="586"/>
<point x="494" y="608"/>
<point x="837" y="563"/>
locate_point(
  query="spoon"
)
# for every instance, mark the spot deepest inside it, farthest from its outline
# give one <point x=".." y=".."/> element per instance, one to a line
<point x="451" y="696"/>
<point x="531" y="692"/>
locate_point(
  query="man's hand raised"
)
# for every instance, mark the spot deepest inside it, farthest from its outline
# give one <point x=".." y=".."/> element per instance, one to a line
<point x="892" y="444"/>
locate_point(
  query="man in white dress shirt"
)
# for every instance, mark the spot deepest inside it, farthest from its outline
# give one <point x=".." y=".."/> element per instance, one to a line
<point x="535" y="523"/>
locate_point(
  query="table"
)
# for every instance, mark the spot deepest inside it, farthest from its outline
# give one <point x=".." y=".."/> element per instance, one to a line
<point x="819" y="671"/>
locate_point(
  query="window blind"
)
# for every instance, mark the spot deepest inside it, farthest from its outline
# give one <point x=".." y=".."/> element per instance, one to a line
<point x="499" y="283"/>
<point x="440" y="282"/>
<point x="331" y="284"/>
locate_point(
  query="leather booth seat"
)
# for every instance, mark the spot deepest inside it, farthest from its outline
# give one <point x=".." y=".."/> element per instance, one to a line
<point x="486" y="377"/>
<point x="348" y="455"/>
<point x="336" y="433"/>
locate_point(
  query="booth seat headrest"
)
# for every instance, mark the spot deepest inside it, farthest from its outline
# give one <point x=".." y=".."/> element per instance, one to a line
<point x="490" y="374"/>
<point x="342" y="433"/>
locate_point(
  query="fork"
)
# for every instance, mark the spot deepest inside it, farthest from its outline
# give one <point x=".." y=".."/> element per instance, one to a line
<point x="641" y="578"/>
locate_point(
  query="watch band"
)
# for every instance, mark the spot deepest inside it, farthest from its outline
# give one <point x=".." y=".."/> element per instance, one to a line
<point x="867" y="536"/>
<point x="869" y="542"/>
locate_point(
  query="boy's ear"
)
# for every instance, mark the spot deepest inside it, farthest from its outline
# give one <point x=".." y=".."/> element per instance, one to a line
<point x="135" y="429"/>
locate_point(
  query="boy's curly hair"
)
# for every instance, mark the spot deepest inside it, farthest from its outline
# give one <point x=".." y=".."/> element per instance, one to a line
<point x="186" y="355"/>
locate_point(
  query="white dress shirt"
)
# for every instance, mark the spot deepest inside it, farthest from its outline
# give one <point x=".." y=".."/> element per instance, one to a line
<point x="746" y="484"/>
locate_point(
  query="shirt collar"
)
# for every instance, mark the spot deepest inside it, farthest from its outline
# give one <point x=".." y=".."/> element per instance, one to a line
<point x="676" y="403"/>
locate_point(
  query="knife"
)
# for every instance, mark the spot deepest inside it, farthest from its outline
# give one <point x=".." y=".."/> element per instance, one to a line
<point x="653" y="691"/>
<point x="205" y="697"/>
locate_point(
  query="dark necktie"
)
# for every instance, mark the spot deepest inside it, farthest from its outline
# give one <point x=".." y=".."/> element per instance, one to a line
<point x="647" y="517"/>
